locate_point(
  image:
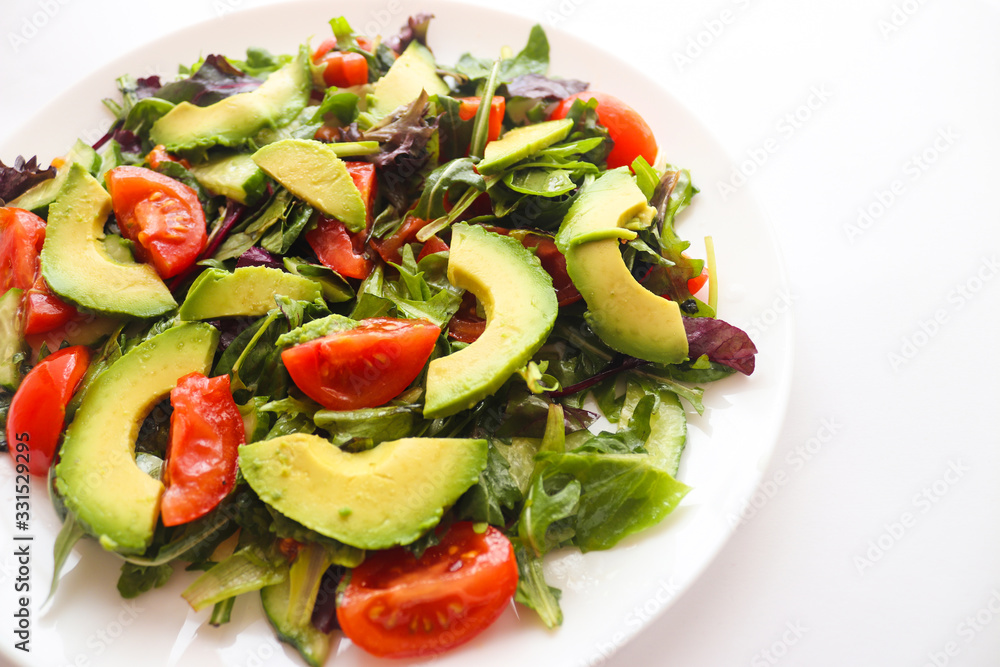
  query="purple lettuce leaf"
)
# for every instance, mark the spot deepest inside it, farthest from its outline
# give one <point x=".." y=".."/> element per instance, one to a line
<point x="215" y="80"/>
<point x="257" y="256"/>
<point x="18" y="178"/>
<point x="538" y="86"/>
<point x="721" y="342"/>
<point x="415" y="29"/>
<point x="402" y="139"/>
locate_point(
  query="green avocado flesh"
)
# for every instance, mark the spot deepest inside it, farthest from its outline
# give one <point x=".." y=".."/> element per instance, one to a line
<point x="76" y="263"/>
<point x="375" y="499"/>
<point x="246" y="292"/>
<point x="311" y="170"/>
<point x="414" y="70"/>
<point x="97" y="476"/>
<point x="234" y="120"/>
<point x="522" y="142"/>
<point x="521" y="308"/>
<point x="625" y="315"/>
<point x="38" y="198"/>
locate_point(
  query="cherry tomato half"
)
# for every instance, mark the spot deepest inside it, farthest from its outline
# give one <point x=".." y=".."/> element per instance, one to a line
<point x="38" y="409"/>
<point x="362" y="367"/>
<point x="399" y="606"/>
<point x="162" y="215"/>
<point x="206" y="430"/>
<point x="632" y="135"/>
<point x="470" y="105"/>
<point x="22" y="235"/>
<point x="335" y="247"/>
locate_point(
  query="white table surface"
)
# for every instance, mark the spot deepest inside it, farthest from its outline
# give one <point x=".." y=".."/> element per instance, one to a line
<point x="874" y="539"/>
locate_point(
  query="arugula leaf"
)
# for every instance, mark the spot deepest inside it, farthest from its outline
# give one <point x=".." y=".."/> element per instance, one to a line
<point x="533" y="592"/>
<point x="137" y="579"/>
<point x="532" y="59"/>
<point x="495" y="492"/>
<point x="545" y="521"/>
<point x="449" y="180"/>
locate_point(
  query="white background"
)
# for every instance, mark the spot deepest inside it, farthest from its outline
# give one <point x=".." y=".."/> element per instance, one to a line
<point x="874" y="539"/>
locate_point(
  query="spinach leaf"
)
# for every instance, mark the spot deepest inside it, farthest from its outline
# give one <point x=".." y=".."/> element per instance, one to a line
<point x="494" y="497"/>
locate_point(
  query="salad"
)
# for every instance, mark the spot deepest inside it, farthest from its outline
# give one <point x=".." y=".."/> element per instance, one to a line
<point x="360" y="333"/>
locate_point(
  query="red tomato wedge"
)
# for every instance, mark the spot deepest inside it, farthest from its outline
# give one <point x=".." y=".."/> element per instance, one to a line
<point x="43" y="310"/>
<point x="362" y="367"/>
<point x="432" y="245"/>
<point x="206" y="430"/>
<point x="630" y="132"/>
<point x="38" y="408"/>
<point x="470" y="105"/>
<point x="696" y="283"/>
<point x="554" y="263"/>
<point x="338" y="249"/>
<point x="162" y="215"/>
<point x="398" y="606"/>
<point x="466" y="326"/>
<point x="22" y="234"/>
<point x="335" y="247"/>
<point x="388" y="248"/>
<point x="343" y="69"/>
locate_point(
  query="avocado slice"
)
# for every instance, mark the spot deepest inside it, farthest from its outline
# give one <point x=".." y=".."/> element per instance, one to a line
<point x="246" y="292"/>
<point x="234" y="120"/>
<point x="235" y="176"/>
<point x="38" y="198"/>
<point x="625" y="315"/>
<point x="76" y="263"/>
<point x="521" y="308"/>
<point x="413" y="71"/>
<point x="375" y="499"/>
<point x="97" y="475"/>
<point x="12" y="345"/>
<point x="522" y="142"/>
<point x="312" y="171"/>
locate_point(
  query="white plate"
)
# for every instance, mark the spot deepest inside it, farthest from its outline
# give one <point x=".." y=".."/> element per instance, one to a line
<point x="607" y="596"/>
